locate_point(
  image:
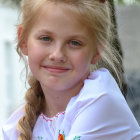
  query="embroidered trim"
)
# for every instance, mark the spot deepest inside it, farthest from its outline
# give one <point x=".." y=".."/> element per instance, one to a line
<point x="56" y="116"/>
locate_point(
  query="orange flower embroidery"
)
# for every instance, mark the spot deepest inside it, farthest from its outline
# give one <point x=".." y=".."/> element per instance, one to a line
<point x="61" y="137"/>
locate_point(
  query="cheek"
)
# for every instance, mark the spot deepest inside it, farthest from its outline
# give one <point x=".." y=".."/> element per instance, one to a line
<point x="35" y="55"/>
<point x="82" y="61"/>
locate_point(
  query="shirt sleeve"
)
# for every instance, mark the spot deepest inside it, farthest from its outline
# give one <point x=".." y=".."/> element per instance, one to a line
<point x="108" y="118"/>
<point x="9" y="130"/>
<point x="2" y="135"/>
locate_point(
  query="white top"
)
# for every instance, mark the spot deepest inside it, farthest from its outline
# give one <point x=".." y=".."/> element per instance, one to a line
<point x="98" y="112"/>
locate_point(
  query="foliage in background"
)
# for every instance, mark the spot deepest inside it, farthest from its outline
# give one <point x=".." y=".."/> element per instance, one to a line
<point x="11" y="2"/>
<point x="118" y="2"/>
<point x="127" y="2"/>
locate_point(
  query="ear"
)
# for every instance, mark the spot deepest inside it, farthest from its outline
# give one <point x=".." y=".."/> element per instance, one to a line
<point x="97" y="56"/>
<point x="23" y="44"/>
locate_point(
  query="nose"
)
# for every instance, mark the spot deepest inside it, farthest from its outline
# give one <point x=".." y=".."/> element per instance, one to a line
<point x="58" y="55"/>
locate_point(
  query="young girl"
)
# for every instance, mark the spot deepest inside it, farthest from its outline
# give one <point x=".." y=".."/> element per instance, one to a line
<point x="72" y="95"/>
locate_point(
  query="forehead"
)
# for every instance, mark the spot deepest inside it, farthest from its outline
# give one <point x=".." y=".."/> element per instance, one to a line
<point x="59" y="15"/>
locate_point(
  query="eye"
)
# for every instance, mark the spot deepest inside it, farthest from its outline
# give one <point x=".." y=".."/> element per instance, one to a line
<point x="75" y="44"/>
<point x="45" y="38"/>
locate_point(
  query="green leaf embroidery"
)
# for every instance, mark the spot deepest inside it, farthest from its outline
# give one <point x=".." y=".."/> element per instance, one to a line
<point x="77" y="138"/>
<point x="40" y="138"/>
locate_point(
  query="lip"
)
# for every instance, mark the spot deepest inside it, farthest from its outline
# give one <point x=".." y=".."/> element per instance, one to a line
<point x="56" y="69"/>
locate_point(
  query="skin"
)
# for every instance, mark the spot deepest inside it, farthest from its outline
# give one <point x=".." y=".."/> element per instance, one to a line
<point x="60" y="51"/>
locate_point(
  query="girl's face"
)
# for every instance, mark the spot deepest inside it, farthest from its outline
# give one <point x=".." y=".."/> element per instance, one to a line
<point x="59" y="49"/>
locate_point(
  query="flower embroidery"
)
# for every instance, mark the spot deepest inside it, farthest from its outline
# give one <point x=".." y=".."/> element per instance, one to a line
<point x="61" y="136"/>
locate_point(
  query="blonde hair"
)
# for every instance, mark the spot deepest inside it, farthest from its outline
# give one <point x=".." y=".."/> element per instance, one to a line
<point x="95" y="14"/>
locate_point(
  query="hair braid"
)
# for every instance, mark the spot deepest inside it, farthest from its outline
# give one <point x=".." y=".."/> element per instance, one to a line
<point x="34" y="105"/>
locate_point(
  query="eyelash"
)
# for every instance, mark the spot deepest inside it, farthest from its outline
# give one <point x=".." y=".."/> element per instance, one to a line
<point x="45" y="38"/>
<point x="76" y="44"/>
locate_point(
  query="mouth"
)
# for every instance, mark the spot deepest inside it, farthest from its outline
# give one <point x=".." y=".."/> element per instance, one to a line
<point x="56" y="69"/>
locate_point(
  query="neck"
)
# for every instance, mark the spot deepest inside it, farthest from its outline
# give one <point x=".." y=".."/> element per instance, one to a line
<point x="57" y="101"/>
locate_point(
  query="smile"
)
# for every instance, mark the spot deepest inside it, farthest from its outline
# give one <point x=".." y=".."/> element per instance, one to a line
<point x="56" y="69"/>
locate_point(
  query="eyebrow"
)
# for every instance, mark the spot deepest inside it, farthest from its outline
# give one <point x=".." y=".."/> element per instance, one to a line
<point x="76" y="35"/>
<point x="45" y="31"/>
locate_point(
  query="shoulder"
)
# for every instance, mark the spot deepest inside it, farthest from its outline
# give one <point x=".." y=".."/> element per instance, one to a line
<point x="102" y="96"/>
<point x="103" y="109"/>
<point x="9" y="129"/>
<point x="106" y="118"/>
<point x="99" y="85"/>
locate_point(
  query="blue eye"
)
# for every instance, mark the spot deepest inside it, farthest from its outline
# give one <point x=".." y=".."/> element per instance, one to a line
<point x="45" y="38"/>
<point x="75" y="43"/>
